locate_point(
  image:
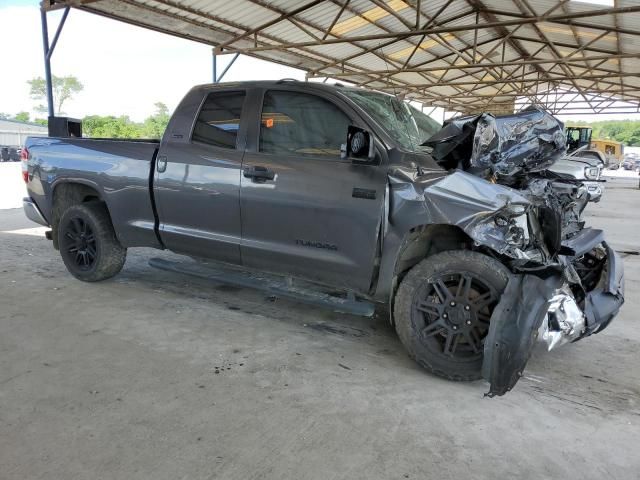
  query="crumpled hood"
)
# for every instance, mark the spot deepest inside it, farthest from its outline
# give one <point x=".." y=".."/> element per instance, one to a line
<point x="466" y="201"/>
<point x="506" y="147"/>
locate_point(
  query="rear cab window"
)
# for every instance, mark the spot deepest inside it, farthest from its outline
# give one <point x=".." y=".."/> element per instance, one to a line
<point x="218" y="121"/>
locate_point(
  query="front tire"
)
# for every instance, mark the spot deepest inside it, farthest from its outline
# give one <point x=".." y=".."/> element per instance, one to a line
<point x="88" y="244"/>
<point x="442" y="311"/>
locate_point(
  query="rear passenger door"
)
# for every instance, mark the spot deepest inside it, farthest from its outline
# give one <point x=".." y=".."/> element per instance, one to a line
<point x="197" y="183"/>
<point x="305" y="211"/>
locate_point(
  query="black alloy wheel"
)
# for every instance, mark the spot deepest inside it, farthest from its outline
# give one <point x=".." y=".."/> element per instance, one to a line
<point x="454" y="311"/>
<point x="80" y="243"/>
<point x="88" y="243"/>
<point x="443" y="308"/>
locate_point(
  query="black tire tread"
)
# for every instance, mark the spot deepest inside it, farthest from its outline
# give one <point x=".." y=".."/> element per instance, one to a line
<point x="112" y="255"/>
<point x="404" y="298"/>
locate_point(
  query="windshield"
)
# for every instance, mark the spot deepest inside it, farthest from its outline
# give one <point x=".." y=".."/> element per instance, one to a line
<point x="404" y="123"/>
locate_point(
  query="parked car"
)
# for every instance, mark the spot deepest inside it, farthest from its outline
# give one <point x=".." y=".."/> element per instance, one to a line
<point x="14" y="154"/>
<point x="472" y="244"/>
<point x="10" y="154"/>
<point x="631" y="164"/>
<point x="585" y="165"/>
<point x="587" y="171"/>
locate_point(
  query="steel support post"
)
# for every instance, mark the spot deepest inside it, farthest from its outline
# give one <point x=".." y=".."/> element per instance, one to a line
<point x="48" y="51"/>
<point x="47" y="62"/>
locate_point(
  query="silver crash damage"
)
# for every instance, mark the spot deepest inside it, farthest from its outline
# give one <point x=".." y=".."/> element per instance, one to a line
<point x="566" y="283"/>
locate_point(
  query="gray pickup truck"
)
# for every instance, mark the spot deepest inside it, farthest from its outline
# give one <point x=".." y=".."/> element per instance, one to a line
<point x="475" y="246"/>
<point x="587" y="166"/>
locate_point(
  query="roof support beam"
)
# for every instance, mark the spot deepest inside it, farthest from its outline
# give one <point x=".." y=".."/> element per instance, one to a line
<point x="564" y="78"/>
<point x="58" y="32"/>
<point x="596" y="95"/>
<point x="282" y="17"/>
<point x="456" y="28"/>
<point x="558" y="57"/>
<point x="516" y="37"/>
<point x="445" y="44"/>
<point x="391" y="42"/>
<point x="319" y="28"/>
<point x="171" y="3"/>
<point x="515" y="63"/>
<point x="335" y="20"/>
<point x="567" y="21"/>
<point x="504" y="32"/>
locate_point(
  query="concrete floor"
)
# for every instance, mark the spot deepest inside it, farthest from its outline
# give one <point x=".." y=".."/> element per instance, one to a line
<point x="155" y="375"/>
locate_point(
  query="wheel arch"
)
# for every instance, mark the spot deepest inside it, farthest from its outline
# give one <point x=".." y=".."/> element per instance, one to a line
<point x="68" y="193"/>
<point x="418" y="243"/>
<point x="426" y="240"/>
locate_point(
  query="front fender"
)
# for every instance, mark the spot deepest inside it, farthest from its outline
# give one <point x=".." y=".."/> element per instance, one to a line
<point x="458" y="199"/>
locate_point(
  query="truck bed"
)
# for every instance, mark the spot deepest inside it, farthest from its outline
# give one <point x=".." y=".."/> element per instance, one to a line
<point x="119" y="170"/>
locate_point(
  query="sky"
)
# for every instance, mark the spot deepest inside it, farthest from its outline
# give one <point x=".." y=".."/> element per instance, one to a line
<point x="125" y="69"/>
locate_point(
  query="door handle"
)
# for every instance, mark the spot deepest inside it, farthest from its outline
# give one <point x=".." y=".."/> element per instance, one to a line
<point x="161" y="163"/>
<point x="259" y="173"/>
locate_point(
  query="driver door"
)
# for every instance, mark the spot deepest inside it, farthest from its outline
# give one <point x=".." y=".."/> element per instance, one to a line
<point x="305" y="211"/>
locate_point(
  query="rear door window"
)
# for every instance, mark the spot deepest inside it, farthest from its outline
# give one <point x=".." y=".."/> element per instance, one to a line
<point x="219" y="119"/>
<point x="295" y="123"/>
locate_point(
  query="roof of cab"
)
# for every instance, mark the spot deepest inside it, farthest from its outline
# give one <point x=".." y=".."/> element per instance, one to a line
<point x="332" y="87"/>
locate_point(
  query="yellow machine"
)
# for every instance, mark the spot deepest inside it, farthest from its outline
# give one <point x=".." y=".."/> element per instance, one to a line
<point x="612" y="149"/>
<point x="578" y="137"/>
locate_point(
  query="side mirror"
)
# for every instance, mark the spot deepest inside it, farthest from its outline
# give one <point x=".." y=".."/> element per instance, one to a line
<point x="360" y="146"/>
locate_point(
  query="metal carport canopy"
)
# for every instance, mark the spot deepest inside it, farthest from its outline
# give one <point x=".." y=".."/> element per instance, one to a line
<point x="463" y="55"/>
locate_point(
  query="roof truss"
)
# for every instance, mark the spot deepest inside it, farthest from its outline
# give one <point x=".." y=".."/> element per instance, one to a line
<point x="458" y="54"/>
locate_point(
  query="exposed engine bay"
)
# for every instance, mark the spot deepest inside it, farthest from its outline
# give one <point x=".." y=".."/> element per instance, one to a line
<point x="567" y="282"/>
<point x="516" y="151"/>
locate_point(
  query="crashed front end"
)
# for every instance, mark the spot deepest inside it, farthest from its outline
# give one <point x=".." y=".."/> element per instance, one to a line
<point x="566" y="282"/>
<point x="564" y="300"/>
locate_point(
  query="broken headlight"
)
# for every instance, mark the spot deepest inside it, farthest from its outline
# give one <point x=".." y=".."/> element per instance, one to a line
<point x="513" y="219"/>
<point x="592" y="173"/>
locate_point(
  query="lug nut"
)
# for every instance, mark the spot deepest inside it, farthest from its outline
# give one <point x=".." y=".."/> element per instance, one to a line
<point x="468" y="322"/>
<point x="455" y="328"/>
<point x="467" y="307"/>
<point x="444" y="315"/>
<point x="453" y="304"/>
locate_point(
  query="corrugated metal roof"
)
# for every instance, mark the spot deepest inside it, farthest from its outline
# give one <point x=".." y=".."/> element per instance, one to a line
<point x="464" y="55"/>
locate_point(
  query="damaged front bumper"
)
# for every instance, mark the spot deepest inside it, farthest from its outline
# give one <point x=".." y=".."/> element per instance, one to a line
<point x="565" y="282"/>
<point x="556" y="307"/>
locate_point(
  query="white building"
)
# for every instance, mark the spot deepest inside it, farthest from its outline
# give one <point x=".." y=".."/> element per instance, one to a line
<point x="14" y="133"/>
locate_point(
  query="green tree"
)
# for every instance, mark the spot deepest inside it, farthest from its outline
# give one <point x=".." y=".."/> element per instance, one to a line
<point x="64" y="88"/>
<point x="98" y="126"/>
<point x="22" y="116"/>
<point x="625" y="131"/>
<point x="155" y="125"/>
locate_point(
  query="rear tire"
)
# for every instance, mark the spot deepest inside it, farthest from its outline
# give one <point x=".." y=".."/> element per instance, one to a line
<point x="88" y="244"/>
<point x="442" y="311"/>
